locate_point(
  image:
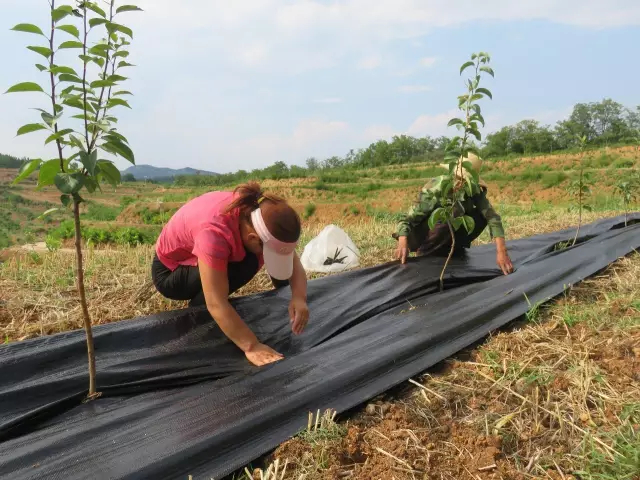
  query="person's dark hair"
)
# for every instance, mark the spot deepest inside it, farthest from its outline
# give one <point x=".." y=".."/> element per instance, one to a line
<point x="280" y="218"/>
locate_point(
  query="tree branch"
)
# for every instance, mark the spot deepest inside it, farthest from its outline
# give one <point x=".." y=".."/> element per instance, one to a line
<point x="52" y="3"/>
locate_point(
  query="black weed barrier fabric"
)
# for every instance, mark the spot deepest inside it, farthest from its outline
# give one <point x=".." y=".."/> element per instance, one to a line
<point x="178" y="399"/>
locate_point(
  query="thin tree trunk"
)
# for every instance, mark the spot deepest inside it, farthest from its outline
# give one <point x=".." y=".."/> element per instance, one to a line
<point x="446" y="264"/>
<point x="83" y="301"/>
<point x="575" y="239"/>
<point x="626" y="215"/>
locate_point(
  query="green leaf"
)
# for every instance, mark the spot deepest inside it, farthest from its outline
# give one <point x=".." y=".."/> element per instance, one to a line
<point x="115" y="135"/>
<point x="121" y="53"/>
<point x="31" y="127"/>
<point x="70" y="44"/>
<point x="119" y="148"/>
<point x="27" y="169"/>
<point x="455" y="121"/>
<point x="74" y="102"/>
<point x="69" y="182"/>
<point x="95" y="8"/>
<point x="76" y="142"/>
<point x="46" y="212"/>
<point x="97" y="21"/>
<point x="70" y="29"/>
<point x="61" y="12"/>
<point x="477" y="117"/>
<point x="90" y="184"/>
<point x="101" y="50"/>
<point x="485" y="91"/>
<point x="102" y="83"/>
<point x="122" y="92"/>
<point x="44" y="51"/>
<point x="123" y="64"/>
<point x="57" y="70"/>
<point x="42" y="68"/>
<point x="128" y="8"/>
<point x="48" y="172"/>
<point x="59" y="135"/>
<point x="65" y="200"/>
<point x="116" y="27"/>
<point x="117" y="101"/>
<point x="439" y="215"/>
<point x="48" y="118"/>
<point x="89" y="161"/>
<point x="116" y="78"/>
<point x="476" y="134"/>
<point x="465" y="66"/>
<point x="489" y="70"/>
<point x="65" y="77"/>
<point x="85" y="58"/>
<point x="25" y="87"/>
<point x="110" y="172"/>
<point x="28" y="28"/>
<point x="456" y="223"/>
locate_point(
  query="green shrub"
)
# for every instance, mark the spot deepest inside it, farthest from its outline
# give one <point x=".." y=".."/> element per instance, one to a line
<point x="101" y="213"/>
<point x="52" y="243"/>
<point x="126" y="201"/>
<point x="309" y="210"/>
<point x="320" y="185"/>
<point x="553" y="179"/>
<point x="623" y="163"/>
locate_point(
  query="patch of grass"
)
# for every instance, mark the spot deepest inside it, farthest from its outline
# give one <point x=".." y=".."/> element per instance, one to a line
<point x="309" y="210"/>
<point x="623" y="163"/>
<point x="126" y="236"/>
<point x="101" y="213"/>
<point x="156" y="217"/>
<point x="553" y="179"/>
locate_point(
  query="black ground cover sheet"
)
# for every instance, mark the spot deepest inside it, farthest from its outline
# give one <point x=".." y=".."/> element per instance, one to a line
<point x="179" y="399"/>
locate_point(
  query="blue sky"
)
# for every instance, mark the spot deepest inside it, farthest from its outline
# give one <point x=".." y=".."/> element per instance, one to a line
<point x="224" y="85"/>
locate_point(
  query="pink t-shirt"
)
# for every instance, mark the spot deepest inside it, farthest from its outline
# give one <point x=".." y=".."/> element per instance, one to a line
<point x="200" y="231"/>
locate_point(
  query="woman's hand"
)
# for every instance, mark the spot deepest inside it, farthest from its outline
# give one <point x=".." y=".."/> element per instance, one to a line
<point x="299" y="314"/>
<point x="502" y="257"/>
<point x="402" y="252"/>
<point x="261" y="354"/>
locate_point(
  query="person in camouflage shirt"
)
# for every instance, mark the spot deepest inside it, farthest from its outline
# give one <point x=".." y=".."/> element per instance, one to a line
<point x="413" y="233"/>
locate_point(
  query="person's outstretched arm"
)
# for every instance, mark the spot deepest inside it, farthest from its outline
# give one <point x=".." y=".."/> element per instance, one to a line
<point x="418" y="213"/>
<point x="298" y="309"/>
<point x="215" y="285"/>
<point x="496" y="230"/>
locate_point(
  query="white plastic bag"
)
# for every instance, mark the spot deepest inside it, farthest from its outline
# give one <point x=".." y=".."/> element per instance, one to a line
<point x="331" y="251"/>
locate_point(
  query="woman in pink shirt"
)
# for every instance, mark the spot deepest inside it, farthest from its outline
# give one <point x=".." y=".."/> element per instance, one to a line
<point x="216" y="243"/>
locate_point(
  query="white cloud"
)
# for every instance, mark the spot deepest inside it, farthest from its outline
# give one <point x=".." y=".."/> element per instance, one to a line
<point x="428" y="61"/>
<point x="432" y="125"/>
<point x="310" y="137"/>
<point x="328" y="100"/>
<point x="369" y="62"/>
<point x="414" y="88"/>
<point x="374" y="133"/>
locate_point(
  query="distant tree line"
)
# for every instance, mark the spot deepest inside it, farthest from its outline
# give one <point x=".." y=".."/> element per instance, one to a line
<point x="602" y="123"/>
<point x="9" y="161"/>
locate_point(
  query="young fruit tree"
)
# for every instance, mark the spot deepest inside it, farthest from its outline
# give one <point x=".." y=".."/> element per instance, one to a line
<point x="581" y="188"/>
<point x="84" y="50"/>
<point x="454" y="188"/>
<point x="628" y="191"/>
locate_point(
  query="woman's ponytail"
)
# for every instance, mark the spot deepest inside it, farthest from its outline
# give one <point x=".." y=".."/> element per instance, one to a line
<point x="248" y="197"/>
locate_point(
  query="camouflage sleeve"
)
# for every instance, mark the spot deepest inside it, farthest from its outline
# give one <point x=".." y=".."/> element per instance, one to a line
<point x="418" y="213"/>
<point x="494" y="221"/>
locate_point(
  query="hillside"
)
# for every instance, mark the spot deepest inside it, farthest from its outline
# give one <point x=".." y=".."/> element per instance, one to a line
<point x="156" y="173"/>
